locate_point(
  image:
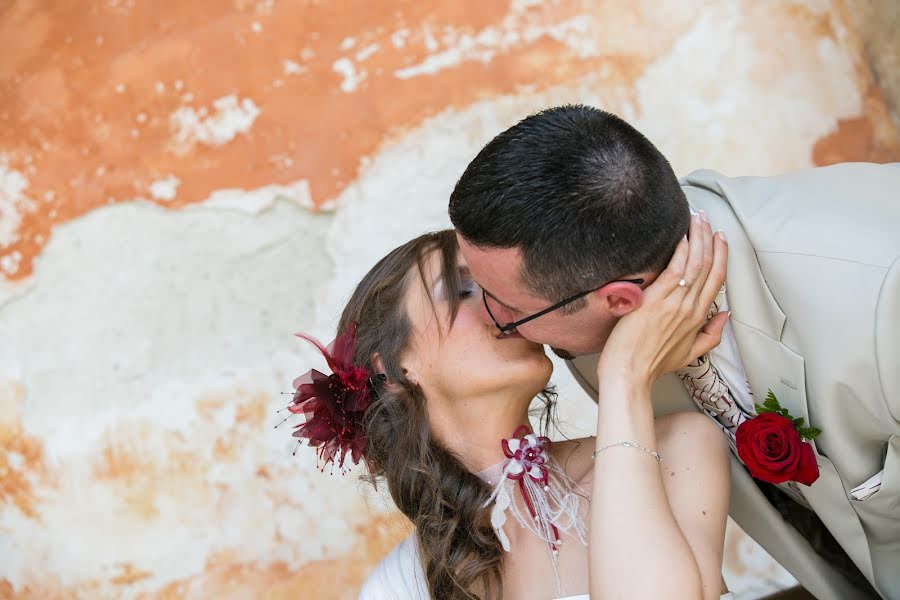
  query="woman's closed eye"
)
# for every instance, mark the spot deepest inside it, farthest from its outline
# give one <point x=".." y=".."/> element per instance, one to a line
<point x="468" y="288"/>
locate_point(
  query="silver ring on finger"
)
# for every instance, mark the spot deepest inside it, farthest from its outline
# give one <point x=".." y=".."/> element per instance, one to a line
<point x="684" y="284"/>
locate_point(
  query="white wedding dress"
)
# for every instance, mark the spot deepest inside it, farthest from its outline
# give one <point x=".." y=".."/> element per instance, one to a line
<point x="399" y="577"/>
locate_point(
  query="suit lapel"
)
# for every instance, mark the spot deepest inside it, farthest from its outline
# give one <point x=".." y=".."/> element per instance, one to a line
<point x="770" y="365"/>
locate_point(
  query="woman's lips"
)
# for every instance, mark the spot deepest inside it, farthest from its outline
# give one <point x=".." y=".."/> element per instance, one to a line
<point x="509" y="336"/>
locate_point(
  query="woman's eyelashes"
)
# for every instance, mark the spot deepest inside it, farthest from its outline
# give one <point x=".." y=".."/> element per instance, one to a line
<point x="468" y="288"/>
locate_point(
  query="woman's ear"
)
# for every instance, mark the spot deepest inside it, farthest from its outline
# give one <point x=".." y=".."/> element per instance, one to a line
<point x="377" y="364"/>
<point x="380" y="369"/>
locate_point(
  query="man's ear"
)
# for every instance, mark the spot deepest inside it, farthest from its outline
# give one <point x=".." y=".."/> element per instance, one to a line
<point x="621" y="297"/>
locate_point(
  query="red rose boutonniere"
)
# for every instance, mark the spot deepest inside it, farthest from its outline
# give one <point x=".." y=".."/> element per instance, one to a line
<point x="775" y="446"/>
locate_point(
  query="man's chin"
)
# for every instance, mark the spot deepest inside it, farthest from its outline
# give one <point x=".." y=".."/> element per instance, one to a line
<point x="564" y="354"/>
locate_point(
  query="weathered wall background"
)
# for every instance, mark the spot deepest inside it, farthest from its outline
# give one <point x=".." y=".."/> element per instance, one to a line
<point x="185" y="184"/>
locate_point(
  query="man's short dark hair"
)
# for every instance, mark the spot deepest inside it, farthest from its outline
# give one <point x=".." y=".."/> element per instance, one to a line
<point x="584" y="196"/>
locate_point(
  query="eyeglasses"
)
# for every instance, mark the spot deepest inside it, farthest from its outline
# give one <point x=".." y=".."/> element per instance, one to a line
<point x="511" y="327"/>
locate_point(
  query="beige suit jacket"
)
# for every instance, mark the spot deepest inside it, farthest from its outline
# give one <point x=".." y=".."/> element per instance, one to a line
<point x="814" y="288"/>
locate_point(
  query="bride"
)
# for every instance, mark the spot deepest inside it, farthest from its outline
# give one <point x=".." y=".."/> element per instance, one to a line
<point x="436" y="403"/>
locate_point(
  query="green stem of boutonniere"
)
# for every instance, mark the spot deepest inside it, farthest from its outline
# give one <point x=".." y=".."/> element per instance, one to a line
<point x="771" y="405"/>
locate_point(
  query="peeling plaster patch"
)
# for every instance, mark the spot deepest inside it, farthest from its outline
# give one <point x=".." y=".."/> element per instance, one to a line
<point x="174" y="371"/>
<point x="811" y="81"/>
<point x="398" y="38"/>
<point x="367" y="52"/>
<point x="518" y="28"/>
<point x="9" y="263"/>
<point x="256" y="201"/>
<point x="165" y="189"/>
<point x="352" y="78"/>
<point x="292" y="68"/>
<point x="13" y="203"/>
<point x="230" y="118"/>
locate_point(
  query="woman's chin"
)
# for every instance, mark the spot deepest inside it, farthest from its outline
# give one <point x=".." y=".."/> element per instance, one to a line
<point x="538" y="371"/>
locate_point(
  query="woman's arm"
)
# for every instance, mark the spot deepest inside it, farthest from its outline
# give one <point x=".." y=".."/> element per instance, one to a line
<point x="638" y="548"/>
<point x="697" y="478"/>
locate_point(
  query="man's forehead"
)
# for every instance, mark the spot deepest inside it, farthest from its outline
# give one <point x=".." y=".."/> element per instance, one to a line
<point x="501" y="262"/>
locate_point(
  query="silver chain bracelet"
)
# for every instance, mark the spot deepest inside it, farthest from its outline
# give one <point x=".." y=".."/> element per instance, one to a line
<point x="652" y="453"/>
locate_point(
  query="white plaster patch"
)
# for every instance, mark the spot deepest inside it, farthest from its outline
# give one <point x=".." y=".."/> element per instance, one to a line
<point x="351" y="74"/>
<point x="231" y="117"/>
<point x="778" y="100"/>
<point x="520" y="27"/>
<point x="9" y="263"/>
<point x="256" y="201"/>
<point x="398" y="38"/>
<point x="13" y="204"/>
<point x="165" y="189"/>
<point x="291" y="67"/>
<point x="367" y="52"/>
<point x="141" y="314"/>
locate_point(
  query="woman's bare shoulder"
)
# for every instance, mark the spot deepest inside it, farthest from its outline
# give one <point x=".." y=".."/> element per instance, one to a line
<point x="685" y="433"/>
<point x="574" y="456"/>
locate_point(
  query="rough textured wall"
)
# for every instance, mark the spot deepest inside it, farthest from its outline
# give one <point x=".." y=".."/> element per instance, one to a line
<point x="878" y="25"/>
<point x="185" y="184"/>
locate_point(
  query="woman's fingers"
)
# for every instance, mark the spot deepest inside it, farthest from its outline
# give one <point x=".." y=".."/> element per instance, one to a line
<point x="696" y="241"/>
<point x="709" y="336"/>
<point x="716" y="277"/>
<point x="708" y="251"/>
<point x="671" y="275"/>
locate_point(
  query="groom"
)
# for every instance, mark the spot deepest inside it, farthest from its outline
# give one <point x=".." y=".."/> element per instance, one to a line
<point x="561" y="210"/>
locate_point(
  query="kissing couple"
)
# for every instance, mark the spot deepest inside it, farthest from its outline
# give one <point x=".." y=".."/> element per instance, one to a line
<point x="741" y="337"/>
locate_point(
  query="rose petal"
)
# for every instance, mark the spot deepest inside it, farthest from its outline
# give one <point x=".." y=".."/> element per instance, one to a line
<point x="807" y="470"/>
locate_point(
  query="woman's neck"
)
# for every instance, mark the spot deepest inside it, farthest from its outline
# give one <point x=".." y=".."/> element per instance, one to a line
<point x="473" y="430"/>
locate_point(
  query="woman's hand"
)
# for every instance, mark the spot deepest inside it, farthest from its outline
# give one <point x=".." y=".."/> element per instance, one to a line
<point x="670" y="328"/>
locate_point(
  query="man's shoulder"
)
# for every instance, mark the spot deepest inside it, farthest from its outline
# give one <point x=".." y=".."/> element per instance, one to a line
<point x="846" y="211"/>
<point x="834" y="177"/>
<point x="840" y="188"/>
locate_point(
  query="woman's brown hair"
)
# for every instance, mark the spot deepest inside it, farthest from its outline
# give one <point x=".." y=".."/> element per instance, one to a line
<point x="461" y="556"/>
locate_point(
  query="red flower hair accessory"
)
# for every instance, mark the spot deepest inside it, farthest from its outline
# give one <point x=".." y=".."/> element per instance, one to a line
<point x="333" y="405"/>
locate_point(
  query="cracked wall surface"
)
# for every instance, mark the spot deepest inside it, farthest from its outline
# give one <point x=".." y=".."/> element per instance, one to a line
<point x="185" y="185"/>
